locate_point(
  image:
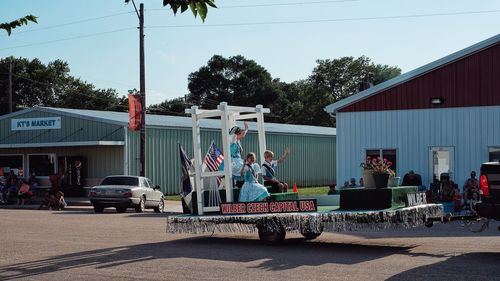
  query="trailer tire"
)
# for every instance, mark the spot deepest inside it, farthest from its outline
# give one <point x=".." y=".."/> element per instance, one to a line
<point x="272" y="237"/>
<point x="309" y="235"/>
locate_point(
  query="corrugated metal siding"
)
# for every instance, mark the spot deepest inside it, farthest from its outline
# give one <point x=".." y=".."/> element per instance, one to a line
<point x="101" y="161"/>
<point x="470" y="130"/>
<point x="72" y="130"/>
<point x="311" y="162"/>
<point x="471" y="81"/>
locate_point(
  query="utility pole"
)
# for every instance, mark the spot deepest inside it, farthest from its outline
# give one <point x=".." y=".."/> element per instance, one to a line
<point x="10" y="86"/>
<point x="142" y="90"/>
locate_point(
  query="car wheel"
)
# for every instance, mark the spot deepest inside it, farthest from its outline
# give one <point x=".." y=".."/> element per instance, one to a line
<point x="98" y="209"/>
<point x="161" y="206"/>
<point x="121" y="209"/>
<point x="142" y="205"/>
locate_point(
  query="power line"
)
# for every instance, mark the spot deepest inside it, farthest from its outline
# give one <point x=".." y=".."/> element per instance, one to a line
<point x="131" y="12"/>
<point x="69" y="38"/>
<point x="69" y="23"/>
<point x="328" y="20"/>
<point x="31" y="80"/>
<point x="51" y="85"/>
<point x="257" y="23"/>
<point x="286" y="4"/>
<point x="275" y="4"/>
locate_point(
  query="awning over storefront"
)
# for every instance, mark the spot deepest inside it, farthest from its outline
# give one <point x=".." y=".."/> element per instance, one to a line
<point x="63" y="144"/>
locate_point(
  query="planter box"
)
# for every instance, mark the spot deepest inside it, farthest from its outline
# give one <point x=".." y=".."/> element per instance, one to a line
<point x="393" y="182"/>
<point x="374" y="199"/>
<point x="371" y="180"/>
<point x="324" y="200"/>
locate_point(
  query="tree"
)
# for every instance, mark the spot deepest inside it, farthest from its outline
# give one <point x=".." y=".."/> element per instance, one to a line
<point x="8" y="26"/>
<point x="342" y="77"/>
<point x="169" y="107"/>
<point x="239" y="81"/>
<point x="198" y="7"/>
<point x="235" y="80"/>
<point x="34" y="83"/>
<point x="82" y="95"/>
<point x="333" y="80"/>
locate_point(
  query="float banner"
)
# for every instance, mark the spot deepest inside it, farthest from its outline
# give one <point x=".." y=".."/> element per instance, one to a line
<point x="415" y="199"/>
<point x="135" y="112"/>
<point x="293" y="206"/>
<point x="35" y="123"/>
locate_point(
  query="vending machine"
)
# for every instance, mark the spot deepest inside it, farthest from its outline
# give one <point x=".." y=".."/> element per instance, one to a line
<point x="74" y="169"/>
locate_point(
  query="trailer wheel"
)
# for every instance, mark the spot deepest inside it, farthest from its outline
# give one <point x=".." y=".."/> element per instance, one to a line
<point x="309" y="235"/>
<point x="429" y="224"/>
<point x="272" y="237"/>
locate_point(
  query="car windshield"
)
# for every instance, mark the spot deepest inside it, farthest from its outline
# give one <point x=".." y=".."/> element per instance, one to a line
<point x="120" y="181"/>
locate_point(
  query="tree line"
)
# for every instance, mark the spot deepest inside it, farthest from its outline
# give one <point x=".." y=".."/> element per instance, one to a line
<point x="240" y="81"/>
<point x="235" y="80"/>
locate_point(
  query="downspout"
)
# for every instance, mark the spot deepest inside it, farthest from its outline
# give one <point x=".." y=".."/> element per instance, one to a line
<point x="125" y="151"/>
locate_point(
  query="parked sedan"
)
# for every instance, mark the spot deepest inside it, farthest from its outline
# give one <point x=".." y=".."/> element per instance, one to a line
<point x="122" y="192"/>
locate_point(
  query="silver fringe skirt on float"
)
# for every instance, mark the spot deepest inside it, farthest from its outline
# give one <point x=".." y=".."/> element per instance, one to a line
<point x="329" y="221"/>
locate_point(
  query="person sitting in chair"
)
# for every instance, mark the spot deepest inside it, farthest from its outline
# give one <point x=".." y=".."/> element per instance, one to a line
<point x="447" y="188"/>
<point x="269" y="174"/>
<point x="252" y="190"/>
<point x="352" y="183"/>
<point x="412" y="179"/>
<point x="471" y="190"/>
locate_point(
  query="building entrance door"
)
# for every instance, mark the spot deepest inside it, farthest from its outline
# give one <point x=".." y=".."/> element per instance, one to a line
<point x="441" y="161"/>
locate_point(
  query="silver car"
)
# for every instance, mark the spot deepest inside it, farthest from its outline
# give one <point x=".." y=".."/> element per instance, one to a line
<point x="124" y="192"/>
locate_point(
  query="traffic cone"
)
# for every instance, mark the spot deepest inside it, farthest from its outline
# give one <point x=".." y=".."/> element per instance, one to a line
<point x="295" y="187"/>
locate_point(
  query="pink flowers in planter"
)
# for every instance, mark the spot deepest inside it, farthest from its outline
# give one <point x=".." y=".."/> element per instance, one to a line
<point x="378" y="165"/>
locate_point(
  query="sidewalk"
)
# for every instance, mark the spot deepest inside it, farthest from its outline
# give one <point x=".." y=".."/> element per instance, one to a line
<point x="83" y="203"/>
<point x="33" y="204"/>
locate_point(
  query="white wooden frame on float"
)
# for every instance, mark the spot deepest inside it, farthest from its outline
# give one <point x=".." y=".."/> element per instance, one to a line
<point x="228" y="116"/>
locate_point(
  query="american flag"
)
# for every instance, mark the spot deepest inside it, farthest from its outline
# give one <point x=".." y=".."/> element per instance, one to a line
<point x="213" y="159"/>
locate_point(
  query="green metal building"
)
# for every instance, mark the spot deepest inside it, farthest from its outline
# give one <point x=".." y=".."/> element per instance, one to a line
<point x="86" y="145"/>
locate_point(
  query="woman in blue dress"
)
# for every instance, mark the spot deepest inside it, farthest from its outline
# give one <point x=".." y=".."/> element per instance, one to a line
<point x="252" y="190"/>
<point x="237" y="134"/>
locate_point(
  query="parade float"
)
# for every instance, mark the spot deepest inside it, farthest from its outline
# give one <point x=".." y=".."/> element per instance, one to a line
<point x="212" y="204"/>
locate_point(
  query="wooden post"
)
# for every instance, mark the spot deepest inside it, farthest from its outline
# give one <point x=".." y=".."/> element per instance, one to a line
<point x="197" y="159"/>
<point x="228" y="174"/>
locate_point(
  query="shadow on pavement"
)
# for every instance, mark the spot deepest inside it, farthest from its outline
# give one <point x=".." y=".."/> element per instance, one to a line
<point x="455" y="229"/>
<point x="294" y="253"/>
<point x="461" y="267"/>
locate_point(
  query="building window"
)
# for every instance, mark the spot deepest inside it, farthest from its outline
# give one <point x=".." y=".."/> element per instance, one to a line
<point x="389" y="154"/>
<point x="43" y="165"/>
<point x="11" y="162"/>
<point x="494" y="154"/>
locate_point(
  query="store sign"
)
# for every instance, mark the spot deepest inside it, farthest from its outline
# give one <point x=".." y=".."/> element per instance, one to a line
<point x="36" y="123"/>
<point x="293" y="206"/>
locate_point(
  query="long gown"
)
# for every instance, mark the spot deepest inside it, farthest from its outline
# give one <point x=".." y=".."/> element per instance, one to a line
<point x="236" y="160"/>
<point x="252" y="191"/>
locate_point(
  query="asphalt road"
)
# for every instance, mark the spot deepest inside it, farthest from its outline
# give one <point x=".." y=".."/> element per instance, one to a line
<point x="80" y="245"/>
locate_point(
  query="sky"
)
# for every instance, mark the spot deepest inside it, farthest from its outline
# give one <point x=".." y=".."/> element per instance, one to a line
<point x="100" y="41"/>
